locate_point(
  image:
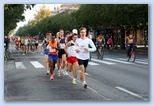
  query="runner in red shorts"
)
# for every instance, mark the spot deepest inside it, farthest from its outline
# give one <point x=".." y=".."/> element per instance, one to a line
<point x="71" y="57"/>
<point x="17" y="44"/>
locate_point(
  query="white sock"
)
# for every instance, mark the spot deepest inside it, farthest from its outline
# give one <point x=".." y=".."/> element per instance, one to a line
<point x="84" y="82"/>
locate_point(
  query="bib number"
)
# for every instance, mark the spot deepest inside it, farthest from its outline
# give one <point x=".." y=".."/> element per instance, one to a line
<point x="52" y="50"/>
<point x="62" y="45"/>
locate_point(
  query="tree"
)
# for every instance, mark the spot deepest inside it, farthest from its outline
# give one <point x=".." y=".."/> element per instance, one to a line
<point x="43" y="12"/>
<point x="13" y="13"/>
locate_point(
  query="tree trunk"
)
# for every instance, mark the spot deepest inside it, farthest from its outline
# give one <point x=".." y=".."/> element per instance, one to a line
<point x="122" y="42"/>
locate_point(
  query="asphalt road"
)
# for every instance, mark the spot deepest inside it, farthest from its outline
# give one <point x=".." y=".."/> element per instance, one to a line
<point x="110" y="79"/>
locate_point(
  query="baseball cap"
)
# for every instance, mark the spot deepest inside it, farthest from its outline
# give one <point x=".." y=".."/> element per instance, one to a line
<point x="75" y="31"/>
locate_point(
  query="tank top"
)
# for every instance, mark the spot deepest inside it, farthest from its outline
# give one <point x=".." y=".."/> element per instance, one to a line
<point x="62" y="43"/>
<point x="71" y="49"/>
<point x="45" y="44"/>
<point x="130" y="40"/>
<point x="51" y="50"/>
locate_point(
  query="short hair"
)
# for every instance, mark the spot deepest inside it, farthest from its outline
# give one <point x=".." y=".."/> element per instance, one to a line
<point x="48" y="33"/>
<point x="82" y="28"/>
<point x="67" y="32"/>
<point x="61" y="30"/>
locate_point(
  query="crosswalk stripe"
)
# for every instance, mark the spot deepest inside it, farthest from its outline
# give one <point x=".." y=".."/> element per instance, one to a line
<point x="136" y="61"/>
<point x="20" y="65"/>
<point x="92" y="63"/>
<point x="102" y="61"/>
<point x="116" y="61"/>
<point x="36" y="64"/>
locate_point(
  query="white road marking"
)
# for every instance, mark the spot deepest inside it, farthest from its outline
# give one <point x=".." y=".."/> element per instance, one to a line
<point x="85" y="73"/>
<point x="135" y="61"/>
<point x="91" y="89"/>
<point x="92" y="63"/>
<point x="20" y="65"/>
<point x="116" y="60"/>
<point x="31" y="57"/>
<point x="36" y="64"/>
<point x="102" y="61"/>
<point x="131" y="93"/>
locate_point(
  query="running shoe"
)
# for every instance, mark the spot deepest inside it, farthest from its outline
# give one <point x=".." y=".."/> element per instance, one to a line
<point x="58" y="73"/>
<point x="74" y="82"/>
<point x="85" y="85"/>
<point x="51" y="77"/>
<point x="48" y="72"/>
<point x="66" y="73"/>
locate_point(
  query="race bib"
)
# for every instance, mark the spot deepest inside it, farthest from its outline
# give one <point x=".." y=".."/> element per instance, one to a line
<point x="62" y="45"/>
<point x="100" y="40"/>
<point x="16" y="42"/>
<point x="130" y="41"/>
<point x="52" y="50"/>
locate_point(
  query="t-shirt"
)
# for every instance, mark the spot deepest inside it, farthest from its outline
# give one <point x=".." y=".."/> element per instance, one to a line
<point x="84" y="43"/>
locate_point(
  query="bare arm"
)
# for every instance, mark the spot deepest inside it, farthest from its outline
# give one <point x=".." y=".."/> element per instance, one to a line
<point x="65" y="48"/>
<point x="41" y="46"/>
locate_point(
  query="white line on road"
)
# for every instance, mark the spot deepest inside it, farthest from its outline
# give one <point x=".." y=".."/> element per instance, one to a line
<point x="31" y="57"/>
<point x="85" y="73"/>
<point x="131" y="93"/>
<point x="135" y="61"/>
<point x="116" y="61"/>
<point x="92" y="63"/>
<point x="20" y="65"/>
<point x="102" y="61"/>
<point x="36" y="64"/>
<point x="91" y="89"/>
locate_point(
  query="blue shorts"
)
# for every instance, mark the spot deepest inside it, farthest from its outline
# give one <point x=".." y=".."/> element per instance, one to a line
<point x="53" y="57"/>
<point x="46" y="51"/>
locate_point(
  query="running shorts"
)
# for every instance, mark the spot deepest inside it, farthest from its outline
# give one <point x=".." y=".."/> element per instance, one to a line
<point x="60" y="53"/>
<point x="83" y="62"/>
<point x="46" y="51"/>
<point x="71" y="59"/>
<point x="53" y="57"/>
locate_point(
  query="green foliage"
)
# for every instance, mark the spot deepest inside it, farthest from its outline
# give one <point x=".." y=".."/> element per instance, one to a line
<point x="13" y="13"/>
<point x="93" y="15"/>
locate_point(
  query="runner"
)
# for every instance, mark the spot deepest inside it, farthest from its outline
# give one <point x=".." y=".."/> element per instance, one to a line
<point x="53" y="48"/>
<point x="36" y="44"/>
<point x="22" y="41"/>
<point x="17" y="44"/>
<point x="61" y="54"/>
<point x="72" y="60"/>
<point x="44" y="44"/>
<point x="26" y="44"/>
<point x="83" y="53"/>
<point x="33" y="44"/>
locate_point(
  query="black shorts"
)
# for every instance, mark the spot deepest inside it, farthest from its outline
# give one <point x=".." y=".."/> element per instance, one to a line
<point x="36" y="44"/>
<point x="60" y="53"/>
<point x="83" y="62"/>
